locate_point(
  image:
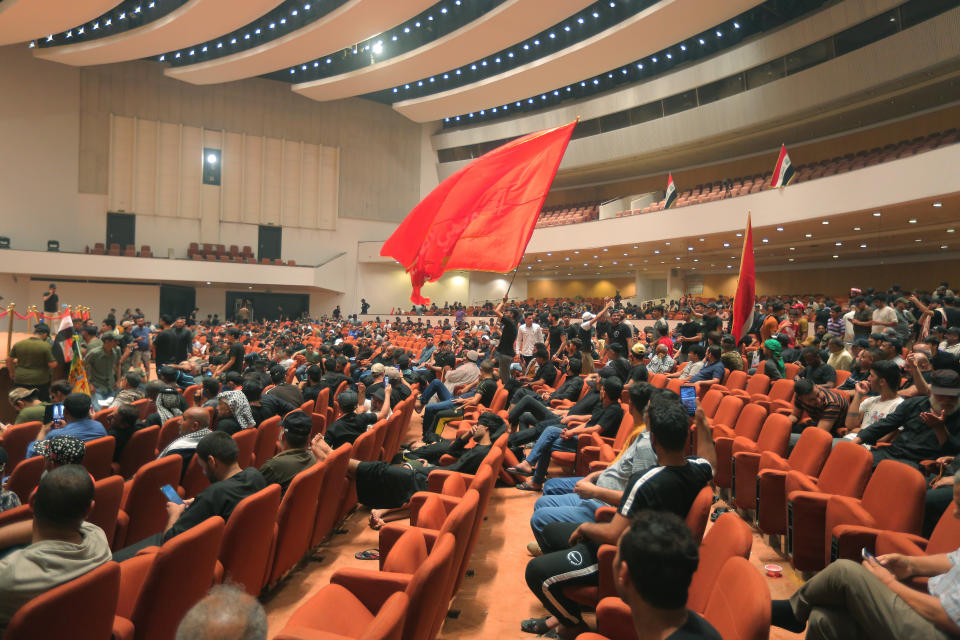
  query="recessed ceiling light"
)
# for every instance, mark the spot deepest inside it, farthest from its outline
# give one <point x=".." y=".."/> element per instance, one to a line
<point x="863" y="246"/>
<point x="876" y="214"/>
<point x="701" y="239"/>
<point x="951" y="230"/>
<point x="689" y="248"/>
<point x="766" y="240"/>
<point x="596" y="256"/>
<point x="825" y="222"/>
<point x="793" y="248"/>
<point x="779" y="228"/>
<point x="656" y="250"/>
<point x="636" y="246"/>
<point x="576" y="251"/>
<point x="605" y="249"/>
<point x="739" y="234"/>
<point x="943" y="246"/>
<point x="789" y="259"/>
<point x="808" y="235"/>
<point x="549" y="254"/>
<point x="667" y="243"/>
<point x="912" y="221"/>
<point x="938" y="204"/>
<point x="835" y="257"/>
<point x="729" y="266"/>
<point x="856" y="228"/>
<point x="567" y="258"/>
<point x="539" y="259"/>
<point x="918" y="240"/>
<point x="726" y="244"/>
<point x="839" y="244"/>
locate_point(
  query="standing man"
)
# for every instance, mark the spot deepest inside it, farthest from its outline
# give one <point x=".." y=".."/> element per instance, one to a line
<point x="687" y="334"/>
<point x="508" y="336"/>
<point x="140" y="357"/>
<point x="31" y="360"/>
<point x="364" y="306"/>
<point x="103" y="370"/>
<point x="164" y="344"/>
<point x="235" y="354"/>
<point x="183" y="340"/>
<point x="528" y="334"/>
<point x="621" y="331"/>
<point x="51" y="301"/>
<point x="557" y="335"/>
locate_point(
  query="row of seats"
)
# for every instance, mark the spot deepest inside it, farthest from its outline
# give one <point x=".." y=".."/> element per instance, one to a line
<point x="568" y="214"/>
<point x="115" y="249"/>
<point x="251" y="260"/>
<point x="218" y="250"/>
<point x="712" y="191"/>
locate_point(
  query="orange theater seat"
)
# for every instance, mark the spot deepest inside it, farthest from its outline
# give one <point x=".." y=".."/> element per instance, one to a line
<point x="749" y="456"/>
<point x="107" y="494"/>
<point x="944" y="539"/>
<point x="143" y="507"/>
<point x="139" y="450"/>
<point x="335" y="613"/>
<point x="748" y="424"/>
<point x="739" y="605"/>
<point x="893" y="501"/>
<point x="295" y="520"/>
<point x="249" y="538"/>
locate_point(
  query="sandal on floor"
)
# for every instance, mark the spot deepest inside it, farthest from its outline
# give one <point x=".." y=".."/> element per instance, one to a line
<point x="526" y="486"/>
<point x="537" y="626"/>
<point x="518" y="472"/>
<point x="369" y="554"/>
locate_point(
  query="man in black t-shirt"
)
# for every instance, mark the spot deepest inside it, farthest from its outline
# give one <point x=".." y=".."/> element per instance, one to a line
<point x="570" y="550"/>
<point x="217" y="454"/>
<point x="656" y="559"/>
<point x="164" y="344"/>
<point x="557" y="333"/>
<point x="235" y="354"/>
<point x="620" y="331"/>
<point x="51" y="301"/>
<point x="816" y="370"/>
<point x="352" y="424"/>
<point x="508" y="335"/>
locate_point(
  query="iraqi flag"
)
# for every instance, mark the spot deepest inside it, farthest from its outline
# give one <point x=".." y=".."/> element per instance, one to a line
<point x="480" y="218"/>
<point x="671" y="195"/>
<point x="63" y="344"/>
<point x="783" y="172"/>
<point x="743" y="302"/>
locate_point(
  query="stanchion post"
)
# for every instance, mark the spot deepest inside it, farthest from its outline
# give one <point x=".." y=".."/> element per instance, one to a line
<point x="10" y="309"/>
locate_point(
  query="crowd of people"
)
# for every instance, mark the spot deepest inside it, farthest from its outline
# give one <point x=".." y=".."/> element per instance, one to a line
<point x="879" y="366"/>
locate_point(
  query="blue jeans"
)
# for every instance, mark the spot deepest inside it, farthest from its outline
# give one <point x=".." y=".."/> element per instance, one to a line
<point x="548" y="442"/>
<point x="435" y="388"/>
<point x="561" y="508"/>
<point x="99" y="398"/>
<point x="431" y="410"/>
<point x="558" y="487"/>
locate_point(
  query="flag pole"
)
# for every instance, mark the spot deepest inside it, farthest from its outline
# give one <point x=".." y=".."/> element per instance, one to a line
<point x="509" y="286"/>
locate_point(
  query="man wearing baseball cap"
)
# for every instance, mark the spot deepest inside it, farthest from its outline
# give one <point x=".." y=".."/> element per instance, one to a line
<point x="27" y="404"/>
<point x="294" y="455"/>
<point x="929" y="425"/>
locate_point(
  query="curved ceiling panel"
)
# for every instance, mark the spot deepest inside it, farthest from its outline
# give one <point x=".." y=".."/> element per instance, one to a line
<point x="196" y="21"/>
<point x="660" y="26"/>
<point x="22" y="20"/>
<point x="353" y="22"/>
<point x="510" y="22"/>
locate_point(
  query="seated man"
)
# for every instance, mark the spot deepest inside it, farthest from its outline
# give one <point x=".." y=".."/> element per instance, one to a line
<point x="129" y="389"/>
<point x="577" y="499"/>
<point x="570" y="550"/>
<point x="227" y="611"/>
<point x="929" y="425"/>
<point x="463" y="381"/>
<point x="695" y="362"/>
<point x="125" y="423"/>
<point x="454" y="407"/>
<point x="194" y="426"/>
<point x="655" y="562"/>
<point x="63" y="546"/>
<point x="605" y="419"/>
<point x="230" y="484"/>
<point x="662" y="362"/>
<point x="861" y="368"/>
<point x="286" y="391"/>
<point x="8" y="499"/>
<point x="730" y="357"/>
<point x="847" y="600"/>
<point x="354" y="420"/>
<point x="294" y="456"/>
<point x="874" y="398"/>
<point x="27" y="404"/>
<point x="76" y="422"/>
<point x="710" y="373"/>
<point x="815" y="370"/>
<point x="826" y="408"/>
<point x="840" y="359"/>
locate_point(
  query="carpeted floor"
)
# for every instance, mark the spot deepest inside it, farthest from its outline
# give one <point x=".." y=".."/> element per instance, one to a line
<point x="492" y="603"/>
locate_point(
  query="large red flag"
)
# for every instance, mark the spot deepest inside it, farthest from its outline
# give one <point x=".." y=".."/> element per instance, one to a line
<point x="480" y="218"/>
<point x="743" y="303"/>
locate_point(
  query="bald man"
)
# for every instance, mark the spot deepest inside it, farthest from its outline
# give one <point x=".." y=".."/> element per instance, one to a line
<point x="226" y="613"/>
<point x="194" y="424"/>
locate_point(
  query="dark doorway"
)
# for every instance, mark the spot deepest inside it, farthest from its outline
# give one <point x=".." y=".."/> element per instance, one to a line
<point x="268" y="245"/>
<point x="267" y="306"/>
<point x="121" y="229"/>
<point x="177" y="301"/>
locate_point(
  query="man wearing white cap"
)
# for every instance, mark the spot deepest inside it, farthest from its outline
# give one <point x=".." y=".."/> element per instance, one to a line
<point x="463" y="379"/>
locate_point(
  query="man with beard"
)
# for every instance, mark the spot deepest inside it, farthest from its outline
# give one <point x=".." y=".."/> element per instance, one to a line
<point x="929" y="425"/>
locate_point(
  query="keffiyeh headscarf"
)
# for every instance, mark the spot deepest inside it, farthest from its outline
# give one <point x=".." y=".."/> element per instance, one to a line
<point x="168" y="404"/>
<point x="239" y="407"/>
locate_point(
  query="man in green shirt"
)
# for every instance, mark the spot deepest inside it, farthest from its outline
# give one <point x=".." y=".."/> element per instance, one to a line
<point x="27" y="404"/>
<point x="103" y="370"/>
<point x="294" y="455"/>
<point x="31" y="360"/>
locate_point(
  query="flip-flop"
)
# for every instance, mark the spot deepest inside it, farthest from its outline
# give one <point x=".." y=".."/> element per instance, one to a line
<point x="526" y="486"/>
<point x="518" y="472"/>
<point x="369" y="554"/>
<point x="536" y="626"/>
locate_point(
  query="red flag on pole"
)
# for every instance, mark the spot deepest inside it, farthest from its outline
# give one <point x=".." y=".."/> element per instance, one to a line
<point x="743" y="303"/>
<point x="480" y="218"/>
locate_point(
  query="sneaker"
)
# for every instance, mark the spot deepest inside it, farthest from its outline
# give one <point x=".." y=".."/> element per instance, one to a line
<point x="534" y="549"/>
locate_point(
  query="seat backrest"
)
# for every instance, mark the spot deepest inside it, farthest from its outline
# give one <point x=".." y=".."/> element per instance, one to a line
<point x="775" y="434"/>
<point x="458" y="522"/>
<point x="98" y="456"/>
<point x="846" y="471"/>
<point x="658" y="380"/>
<point x="335" y="483"/>
<point x="16" y="439"/>
<point x="407" y="553"/>
<point x="729" y="536"/>
<point x="190" y="394"/>
<point x="711" y="402"/>
<point x="699" y="512"/>
<point x="140" y="449"/>
<point x="736" y="380"/>
<point x="454" y="485"/>
<point x="781" y="390"/>
<point x="895" y="496"/>
<point x="25" y="477"/>
<point x="728" y="412"/>
<point x="790" y="370"/>
<point x="425" y="589"/>
<point x="248" y="539"/>
<point x="80" y="609"/>
<point x="388" y="624"/>
<point x="107" y="494"/>
<point x="750" y="421"/>
<point x="144" y="502"/>
<point x="194" y="478"/>
<point x="246" y="440"/>
<point x="322" y="401"/>
<point x="739" y="605"/>
<point x="296" y="519"/>
<point x="180" y="575"/>
<point x="364" y="444"/>
<point x="946" y="535"/>
<point x="499" y="401"/>
<point x="758" y="383"/>
<point x="266" y="441"/>
<point x="169" y="432"/>
<point x="811" y="450"/>
<point x="625" y="429"/>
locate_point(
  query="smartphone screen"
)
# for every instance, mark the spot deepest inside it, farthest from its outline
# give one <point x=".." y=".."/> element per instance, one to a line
<point x="53" y="412"/>
<point x="688" y="395"/>
<point x="866" y="554"/>
<point x="171" y="494"/>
